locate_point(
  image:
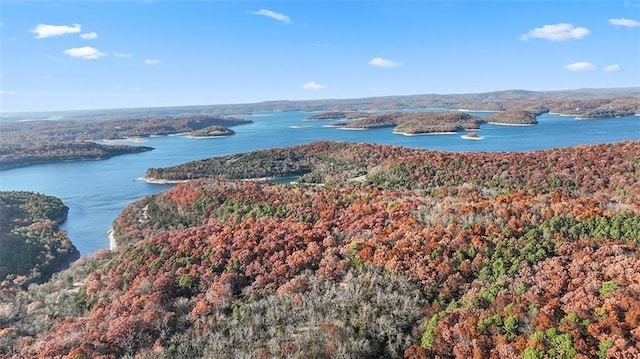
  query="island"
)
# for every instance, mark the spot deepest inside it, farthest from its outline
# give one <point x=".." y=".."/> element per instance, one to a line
<point x="32" y="246"/>
<point x="436" y="123"/>
<point x="411" y="123"/>
<point x="472" y="135"/>
<point x="514" y="117"/>
<point x="214" y="131"/>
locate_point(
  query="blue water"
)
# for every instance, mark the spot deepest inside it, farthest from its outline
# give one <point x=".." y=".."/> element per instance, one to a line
<point x="96" y="191"/>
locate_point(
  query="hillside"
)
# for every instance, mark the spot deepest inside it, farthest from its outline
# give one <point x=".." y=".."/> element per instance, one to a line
<point x="427" y="254"/>
<point x="535" y="101"/>
<point x="513" y="117"/>
<point x="496" y="100"/>
<point x="38" y="132"/>
<point x="27" y="143"/>
<point x="32" y="246"/>
<point x="12" y="156"/>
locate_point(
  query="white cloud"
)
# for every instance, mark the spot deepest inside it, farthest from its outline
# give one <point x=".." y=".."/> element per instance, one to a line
<point x="4" y="92"/>
<point x="580" y="66"/>
<point x="151" y="62"/>
<point x="313" y="86"/>
<point x="87" y="53"/>
<point x="89" y="36"/>
<point x="557" y="32"/>
<point x="613" y="68"/>
<point x="382" y="62"/>
<point x="122" y="55"/>
<point x="274" y="15"/>
<point x="43" y="30"/>
<point x="624" y="22"/>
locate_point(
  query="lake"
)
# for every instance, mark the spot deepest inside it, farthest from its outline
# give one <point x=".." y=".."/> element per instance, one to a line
<point x="96" y="191"/>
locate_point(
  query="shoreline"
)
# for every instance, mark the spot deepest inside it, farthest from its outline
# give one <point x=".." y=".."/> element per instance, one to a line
<point x="206" y="137"/>
<point x="511" y="124"/>
<point x="424" y="133"/>
<point x="473" y="138"/>
<point x="126" y="139"/>
<point x="159" y="181"/>
<point x="113" y="245"/>
<point x="468" y="110"/>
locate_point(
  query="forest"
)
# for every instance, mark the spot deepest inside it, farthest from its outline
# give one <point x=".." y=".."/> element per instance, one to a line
<point x="32" y="246"/>
<point x="26" y="143"/>
<point x="12" y="156"/>
<point x="36" y="132"/>
<point x="376" y="251"/>
<point x="514" y="117"/>
<point x="414" y="123"/>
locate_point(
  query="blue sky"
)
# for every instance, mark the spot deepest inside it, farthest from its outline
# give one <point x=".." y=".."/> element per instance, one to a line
<point x="67" y="55"/>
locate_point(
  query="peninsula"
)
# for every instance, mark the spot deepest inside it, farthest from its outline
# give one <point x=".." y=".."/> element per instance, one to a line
<point x="12" y="156"/>
<point x="32" y="246"/>
<point x="34" y="142"/>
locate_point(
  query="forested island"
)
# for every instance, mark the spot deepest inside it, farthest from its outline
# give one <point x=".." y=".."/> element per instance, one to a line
<point x="513" y="117"/>
<point x="211" y="131"/>
<point x="376" y="251"/>
<point x="32" y="246"/>
<point x="32" y="142"/>
<point x="407" y="123"/>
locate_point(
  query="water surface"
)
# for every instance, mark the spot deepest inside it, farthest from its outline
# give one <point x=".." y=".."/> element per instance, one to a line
<point x="96" y="191"/>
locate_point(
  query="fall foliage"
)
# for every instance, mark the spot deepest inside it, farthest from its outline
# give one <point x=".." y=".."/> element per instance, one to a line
<point x="32" y="247"/>
<point x="426" y="254"/>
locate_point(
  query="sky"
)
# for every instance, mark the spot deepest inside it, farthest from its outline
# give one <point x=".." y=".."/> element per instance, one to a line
<point x="97" y="54"/>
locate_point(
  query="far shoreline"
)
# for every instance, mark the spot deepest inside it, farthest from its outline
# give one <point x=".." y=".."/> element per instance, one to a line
<point x="206" y="137"/>
<point x="424" y="133"/>
<point x="511" y="124"/>
<point x="160" y="181"/>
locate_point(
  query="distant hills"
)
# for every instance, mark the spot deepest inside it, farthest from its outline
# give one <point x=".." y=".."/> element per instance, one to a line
<point x="496" y="100"/>
<point x="25" y="133"/>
